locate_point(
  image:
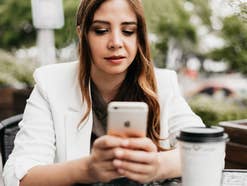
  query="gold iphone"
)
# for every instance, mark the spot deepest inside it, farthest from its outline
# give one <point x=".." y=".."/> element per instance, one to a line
<point x="127" y="119"/>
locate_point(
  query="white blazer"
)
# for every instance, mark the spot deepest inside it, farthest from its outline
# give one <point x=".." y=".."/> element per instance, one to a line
<point x="49" y="130"/>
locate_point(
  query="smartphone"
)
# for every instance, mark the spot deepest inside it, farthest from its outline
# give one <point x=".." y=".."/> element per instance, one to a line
<point x="127" y="119"/>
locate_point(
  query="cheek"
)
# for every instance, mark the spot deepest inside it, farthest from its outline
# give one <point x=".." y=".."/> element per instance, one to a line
<point x="133" y="47"/>
<point x="96" y="49"/>
<point x="93" y="49"/>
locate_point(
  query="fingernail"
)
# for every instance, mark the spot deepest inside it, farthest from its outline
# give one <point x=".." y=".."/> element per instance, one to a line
<point x="121" y="171"/>
<point x="118" y="153"/>
<point x="117" y="162"/>
<point x="125" y="142"/>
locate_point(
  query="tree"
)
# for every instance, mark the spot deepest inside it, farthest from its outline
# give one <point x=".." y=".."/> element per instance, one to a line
<point x="169" y="20"/>
<point x="67" y="34"/>
<point x="16" y="24"/>
<point x="241" y="7"/>
<point x="235" y="51"/>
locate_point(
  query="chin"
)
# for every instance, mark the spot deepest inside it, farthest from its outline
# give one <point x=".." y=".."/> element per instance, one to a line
<point x="117" y="71"/>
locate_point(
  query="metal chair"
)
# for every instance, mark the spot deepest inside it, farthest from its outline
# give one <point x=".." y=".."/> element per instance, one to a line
<point x="8" y="129"/>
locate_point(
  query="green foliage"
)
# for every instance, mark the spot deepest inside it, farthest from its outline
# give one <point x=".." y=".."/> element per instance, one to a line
<point x="243" y="11"/>
<point x="235" y="52"/>
<point x="165" y="18"/>
<point x="16" y="24"/>
<point x="168" y="19"/>
<point x="213" y="111"/>
<point x="182" y="31"/>
<point x="155" y="10"/>
<point x="242" y="8"/>
<point x="67" y="34"/>
<point x="203" y="10"/>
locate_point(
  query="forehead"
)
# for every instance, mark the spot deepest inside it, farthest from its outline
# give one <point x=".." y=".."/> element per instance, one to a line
<point x="117" y="10"/>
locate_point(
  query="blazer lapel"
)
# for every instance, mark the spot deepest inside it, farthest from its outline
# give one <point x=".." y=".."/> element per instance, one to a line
<point x="77" y="134"/>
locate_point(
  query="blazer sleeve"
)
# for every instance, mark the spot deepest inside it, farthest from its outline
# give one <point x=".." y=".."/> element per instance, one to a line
<point x="180" y="114"/>
<point x="176" y="113"/>
<point x="35" y="142"/>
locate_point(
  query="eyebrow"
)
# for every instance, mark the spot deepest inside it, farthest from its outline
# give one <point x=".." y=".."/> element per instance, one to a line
<point x="108" y="23"/>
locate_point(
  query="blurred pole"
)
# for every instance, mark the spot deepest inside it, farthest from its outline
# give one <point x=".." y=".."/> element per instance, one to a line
<point x="47" y="16"/>
<point x="46" y="47"/>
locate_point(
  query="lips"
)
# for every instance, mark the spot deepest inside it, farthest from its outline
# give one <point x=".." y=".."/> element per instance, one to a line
<point x="115" y="59"/>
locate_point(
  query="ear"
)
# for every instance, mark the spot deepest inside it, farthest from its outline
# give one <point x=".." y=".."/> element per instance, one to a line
<point x="78" y="30"/>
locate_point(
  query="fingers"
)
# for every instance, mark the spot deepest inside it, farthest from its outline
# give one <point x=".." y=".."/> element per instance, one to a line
<point x="107" y="166"/>
<point x="133" y="149"/>
<point x="145" y="144"/>
<point x="110" y="175"/>
<point x="103" y="155"/>
<point x="138" y="165"/>
<point x="135" y="158"/>
<point x="141" y="178"/>
<point x="134" y="155"/>
<point x="105" y="175"/>
<point x="102" y="171"/>
<point x="133" y="167"/>
<point x="103" y="148"/>
<point x="107" y="141"/>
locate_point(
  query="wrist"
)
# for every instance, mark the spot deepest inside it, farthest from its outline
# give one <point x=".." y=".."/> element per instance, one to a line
<point x="90" y="178"/>
<point x="81" y="173"/>
<point x="170" y="164"/>
<point x="160" y="174"/>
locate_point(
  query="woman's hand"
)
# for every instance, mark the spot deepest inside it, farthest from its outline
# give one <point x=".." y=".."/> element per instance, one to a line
<point x="137" y="159"/>
<point x="101" y="167"/>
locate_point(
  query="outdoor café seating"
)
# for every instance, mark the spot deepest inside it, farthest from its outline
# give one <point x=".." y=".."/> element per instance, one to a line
<point x="8" y="129"/>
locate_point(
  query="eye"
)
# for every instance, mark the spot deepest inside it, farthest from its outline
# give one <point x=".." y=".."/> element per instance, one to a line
<point x="128" y="32"/>
<point x="100" y="31"/>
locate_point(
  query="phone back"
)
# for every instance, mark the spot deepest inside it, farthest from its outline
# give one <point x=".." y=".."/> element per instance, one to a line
<point x="127" y="119"/>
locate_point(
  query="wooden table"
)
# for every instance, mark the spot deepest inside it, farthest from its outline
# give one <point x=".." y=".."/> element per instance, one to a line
<point x="236" y="148"/>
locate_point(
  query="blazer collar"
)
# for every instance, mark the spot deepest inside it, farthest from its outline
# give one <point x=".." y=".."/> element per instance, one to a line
<point x="76" y="104"/>
<point x="77" y="135"/>
<point x="75" y="99"/>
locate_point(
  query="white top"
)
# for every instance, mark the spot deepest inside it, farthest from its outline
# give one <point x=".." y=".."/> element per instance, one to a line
<point x="49" y="130"/>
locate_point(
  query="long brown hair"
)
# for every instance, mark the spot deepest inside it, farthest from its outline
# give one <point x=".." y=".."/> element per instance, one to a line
<point x="140" y="73"/>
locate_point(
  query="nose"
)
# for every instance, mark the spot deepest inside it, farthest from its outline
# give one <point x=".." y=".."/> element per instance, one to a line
<point x="115" y="40"/>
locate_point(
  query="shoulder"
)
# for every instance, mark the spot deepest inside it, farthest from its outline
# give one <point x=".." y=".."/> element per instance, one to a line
<point x="57" y="73"/>
<point x="167" y="83"/>
<point x="56" y="77"/>
<point x="57" y="69"/>
<point x="165" y="76"/>
<point x="163" y="71"/>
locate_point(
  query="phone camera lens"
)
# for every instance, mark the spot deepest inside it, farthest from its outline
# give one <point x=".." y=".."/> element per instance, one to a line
<point x="127" y="124"/>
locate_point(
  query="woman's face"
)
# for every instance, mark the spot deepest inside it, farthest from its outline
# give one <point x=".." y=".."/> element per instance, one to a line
<point x="113" y="38"/>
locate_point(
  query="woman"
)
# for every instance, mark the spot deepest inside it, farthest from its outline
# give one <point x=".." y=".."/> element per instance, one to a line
<point x="62" y="137"/>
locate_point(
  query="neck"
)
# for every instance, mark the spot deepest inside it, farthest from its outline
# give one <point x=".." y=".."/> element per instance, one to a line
<point x="108" y="85"/>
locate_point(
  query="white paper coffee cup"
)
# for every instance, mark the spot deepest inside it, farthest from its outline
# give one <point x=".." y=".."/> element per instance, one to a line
<point x="202" y="155"/>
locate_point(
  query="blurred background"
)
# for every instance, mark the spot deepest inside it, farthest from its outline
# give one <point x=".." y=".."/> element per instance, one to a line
<point x="205" y="41"/>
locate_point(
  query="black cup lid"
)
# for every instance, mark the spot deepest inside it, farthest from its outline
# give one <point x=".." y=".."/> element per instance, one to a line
<point x="202" y="134"/>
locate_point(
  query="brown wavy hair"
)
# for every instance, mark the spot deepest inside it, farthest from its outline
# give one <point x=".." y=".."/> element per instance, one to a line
<point x="140" y="76"/>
